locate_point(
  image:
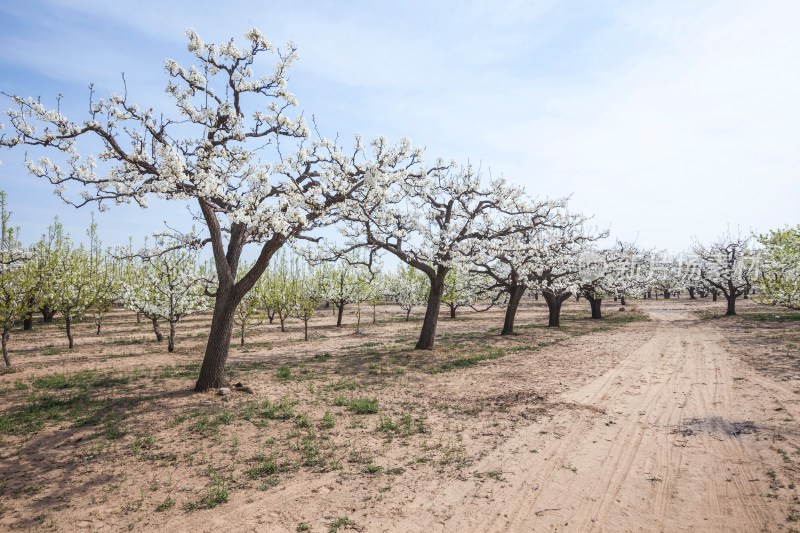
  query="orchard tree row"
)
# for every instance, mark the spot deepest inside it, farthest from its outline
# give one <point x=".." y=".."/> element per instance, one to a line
<point x="234" y="150"/>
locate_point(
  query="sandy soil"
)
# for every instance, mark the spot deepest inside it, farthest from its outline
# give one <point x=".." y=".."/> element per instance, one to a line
<point x="673" y="424"/>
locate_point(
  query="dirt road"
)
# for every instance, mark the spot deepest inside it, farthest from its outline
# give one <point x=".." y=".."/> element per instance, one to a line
<point x="621" y="425"/>
<point x="678" y="437"/>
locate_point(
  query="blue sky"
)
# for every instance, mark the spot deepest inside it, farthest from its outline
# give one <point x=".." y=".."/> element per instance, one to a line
<point x="666" y="120"/>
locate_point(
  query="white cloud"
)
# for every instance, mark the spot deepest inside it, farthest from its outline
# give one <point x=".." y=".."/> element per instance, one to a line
<point x="666" y="119"/>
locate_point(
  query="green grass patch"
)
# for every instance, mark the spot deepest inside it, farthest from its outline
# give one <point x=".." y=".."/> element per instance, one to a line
<point x="264" y="466"/>
<point x="282" y="410"/>
<point x="328" y="421"/>
<point x="466" y="362"/>
<point x="218" y="492"/>
<point x="372" y="469"/>
<point x="777" y="315"/>
<point x="166" y="505"/>
<point x="363" y="406"/>
<point x="339" y="523"/>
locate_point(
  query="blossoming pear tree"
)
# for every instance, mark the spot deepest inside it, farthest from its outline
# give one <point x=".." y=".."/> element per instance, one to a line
<point x="779" y="279"/>
<point x="608" y="271"/>
<point x="408" y="288"/>
<point x="16" y="281"/>
<point x="249" y="312"/>
<point x="507" y="260"/>
<point x="555" y="267"/>
<point x="230" y="148"/>
<point x="729" y="265"/>
<point x="171" y="287"/>
<point x="71" y="291"/>
<point x="104" y="278"/>
<point x="432" y="221"/>
<point x="463" y="288"/>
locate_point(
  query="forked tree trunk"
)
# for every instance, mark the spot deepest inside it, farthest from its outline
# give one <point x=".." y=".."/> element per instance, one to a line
<point x="554" y="308"/>
<point x="514" y="297"/>
<point x="339" y="314"/>
<point x="171" y="338"/>
<point x="691" y="294"/>
<point x="212" y="372"/>
<point x="270" y="315"/>
<point x="6" y="357"/>
<point x="282" y="320"/>
<point x="68" y="321"/>
<point x="156" y="330"/>
<point x="428" y="333"/>
<point x="47" y="315"/>
<point x="595" y="303"/>
<point x="731" y="311"/>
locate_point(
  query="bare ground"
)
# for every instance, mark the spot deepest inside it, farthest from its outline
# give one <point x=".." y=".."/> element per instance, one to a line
<point x="682" y="422"/>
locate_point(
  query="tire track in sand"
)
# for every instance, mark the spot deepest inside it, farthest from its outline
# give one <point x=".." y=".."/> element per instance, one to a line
<point x="662" y="458"/>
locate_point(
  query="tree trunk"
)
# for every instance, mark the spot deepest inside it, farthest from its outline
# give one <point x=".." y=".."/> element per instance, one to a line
<point x="6" y="357"/>
<point x="305" y="328"/>
<point x="68" y="320"/>
<point x="731" y="305"/>
<point x="212" y="372"/>
<point x="408" y="314"/>
<point x="714" y="295"/>
<point x="622" y="299"/>
<point x="99" y="323"/>
<point x="138" y="317"/>
<point x="666" y="294"/>
<point x="594" y="303"/>
<point x="241" y="335"/>
<point x="691" y="294"/>
<point x="27" y="323"/>
<point x="339" y="314"/>
<point x="270" y="315"/>
<point x="428" y="333"/>
<point x="282" y="320"/>
<point x="554" y="308"/>
<point x="47" y="315"/>
<point x="159" y="336"/>
<point x="452" y="310"/>
<point x="171" y="338"/>
<point x="514" y="297"/>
